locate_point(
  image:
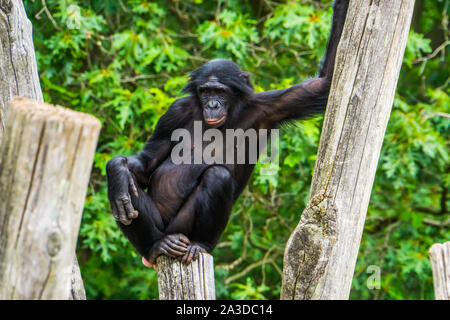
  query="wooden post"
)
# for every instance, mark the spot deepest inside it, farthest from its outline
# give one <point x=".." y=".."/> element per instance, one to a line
<point x="45" y="162"/>
<point x="77" y="287"/>
<point x="440" y="263"/>
<point x="321" y="253"/>
<point x="18" y="69"/>
<point x="177" y="281"/>
<point x="19" y="77"/>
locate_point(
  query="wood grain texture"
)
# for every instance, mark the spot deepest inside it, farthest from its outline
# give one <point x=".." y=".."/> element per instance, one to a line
<point x="77" y="291"/>
<point x="195" y="281"/>
<point x="18" y="68"/>
<point x="321" y="253"/>
<point x="45" y="163"/>
<point x="19" y="76"/>
<point x="440" y="263"/>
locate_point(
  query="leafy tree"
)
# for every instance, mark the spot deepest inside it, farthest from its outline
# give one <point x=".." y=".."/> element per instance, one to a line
<point x="126" y="61"/>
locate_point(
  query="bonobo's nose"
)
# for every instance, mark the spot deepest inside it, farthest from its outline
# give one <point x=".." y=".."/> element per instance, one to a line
<point x="213" y="104"/>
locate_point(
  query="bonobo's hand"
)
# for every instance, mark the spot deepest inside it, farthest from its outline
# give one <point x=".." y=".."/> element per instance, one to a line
<point x="120" y="185"/>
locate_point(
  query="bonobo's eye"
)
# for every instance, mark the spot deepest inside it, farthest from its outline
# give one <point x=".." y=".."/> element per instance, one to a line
<point x="220" y="91"/>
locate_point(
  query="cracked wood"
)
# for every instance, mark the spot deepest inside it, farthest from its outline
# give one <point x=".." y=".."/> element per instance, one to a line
<point x="319" y="263"/>
<point x="177" y="281"/>
<point x="440" y="263"/>
<point x="45" y="162"/>
<point x="18" y="69"/>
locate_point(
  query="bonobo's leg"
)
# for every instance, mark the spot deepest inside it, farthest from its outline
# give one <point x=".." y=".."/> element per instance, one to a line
<point x="205" y="214"/>
<point x="145" y="231"/>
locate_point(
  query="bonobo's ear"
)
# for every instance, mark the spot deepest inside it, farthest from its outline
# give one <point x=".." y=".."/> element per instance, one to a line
<point x="246" y="77"/>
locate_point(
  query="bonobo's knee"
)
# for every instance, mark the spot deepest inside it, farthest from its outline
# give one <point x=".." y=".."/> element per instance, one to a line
<point x="217" y="177"/>
<point x="116" y="163"/>
<point x="217" y="172"/>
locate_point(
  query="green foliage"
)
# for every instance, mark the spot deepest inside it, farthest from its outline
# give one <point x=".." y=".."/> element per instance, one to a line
<point x="230" y="32"/>
<point x="126" y="61"/>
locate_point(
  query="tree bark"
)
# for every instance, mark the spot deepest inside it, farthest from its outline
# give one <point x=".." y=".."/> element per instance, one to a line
<point x="440" y="263"/>
<point x="321" y="253"/>
<point x="177" y="281"/>
<point x="19" y="75"/>
<point x="18" y="69"/>
<point x="77" y="287"/>
<point x="46" y="160"/>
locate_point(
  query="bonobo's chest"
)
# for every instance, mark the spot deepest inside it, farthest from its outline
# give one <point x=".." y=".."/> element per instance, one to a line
<point x="198" y="144"/>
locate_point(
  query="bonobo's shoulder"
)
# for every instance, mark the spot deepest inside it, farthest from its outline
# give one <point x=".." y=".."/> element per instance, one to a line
<point x="180" y="111"/>
<point x="182" y="104"/>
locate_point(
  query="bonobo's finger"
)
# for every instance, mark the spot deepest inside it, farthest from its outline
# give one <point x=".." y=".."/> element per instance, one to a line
<point x="122" y="215"/>
<point x="129" y="208"/>
<point x="152" y="258"/>
<point x="170" y="251"/>
<point x="133" y="187"/>
<point x="196" y="253"/>
<point x="176" y="240"/>
<point x="114" y="210"/>
<point x="175" y="246"/>
<point x="183" y="238"/>
<point x="164" y="251"/>
<point x="187" y="258"/>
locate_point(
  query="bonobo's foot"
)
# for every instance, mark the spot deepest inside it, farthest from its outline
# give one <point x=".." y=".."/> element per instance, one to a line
<point x="192" y="253"/>
<point x="172" y="245"/>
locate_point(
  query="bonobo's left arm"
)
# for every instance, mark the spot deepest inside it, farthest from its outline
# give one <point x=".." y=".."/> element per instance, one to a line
<point x="309" y="97"/>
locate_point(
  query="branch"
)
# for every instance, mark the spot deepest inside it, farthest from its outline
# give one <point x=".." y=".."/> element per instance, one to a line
<point x="435" y="223"/>
<point x="49" y="15"/>
<point x="432" y="55"/>
<point x="436" y="212"/>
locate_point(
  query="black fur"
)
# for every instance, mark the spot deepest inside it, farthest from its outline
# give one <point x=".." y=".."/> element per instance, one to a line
<point x="183" y="209"/>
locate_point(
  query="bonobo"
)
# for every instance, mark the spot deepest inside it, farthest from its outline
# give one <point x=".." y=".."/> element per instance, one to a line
<point x="182" y="209"/>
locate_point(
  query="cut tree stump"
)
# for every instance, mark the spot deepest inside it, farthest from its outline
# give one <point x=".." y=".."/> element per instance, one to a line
<point x="19" y="75"/>
<point x="45" y="162"/>
<point x="440" y="263"/>
<point x="177" y="281"/>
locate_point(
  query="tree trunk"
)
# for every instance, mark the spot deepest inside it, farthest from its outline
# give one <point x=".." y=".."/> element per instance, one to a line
<point x="18" y="69"/>
<point x="177" y="281"/>
<point x="19" y="75"/>
<point x="321" y="253"/>
<point x="440" y="263"/>
<point x="77" y="287"/>
<point x="46" y="159"/>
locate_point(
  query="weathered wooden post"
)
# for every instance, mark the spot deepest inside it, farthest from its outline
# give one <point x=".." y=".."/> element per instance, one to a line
<point x="177" y="281"/>
<point x="440" y="263"/>
<point x="18" y="69"/>
<point x="19" y="77"/>
<point x="45" y="162"/>
<point x="321" y="253"/>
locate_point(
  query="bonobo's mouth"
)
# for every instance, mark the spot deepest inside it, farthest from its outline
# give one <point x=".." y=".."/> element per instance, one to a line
<point x="216" y="122"/>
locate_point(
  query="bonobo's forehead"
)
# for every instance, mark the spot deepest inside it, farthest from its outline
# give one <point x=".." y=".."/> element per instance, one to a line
<point x="213" y="82"/>
<point x="220" y="67"/>
<point x="219" y="73"/>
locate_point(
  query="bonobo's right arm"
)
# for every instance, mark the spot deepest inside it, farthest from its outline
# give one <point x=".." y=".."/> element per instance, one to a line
<point x="126" y="174"/>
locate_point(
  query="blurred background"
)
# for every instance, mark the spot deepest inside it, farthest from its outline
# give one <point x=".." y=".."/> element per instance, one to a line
<point x="126" y="61"/>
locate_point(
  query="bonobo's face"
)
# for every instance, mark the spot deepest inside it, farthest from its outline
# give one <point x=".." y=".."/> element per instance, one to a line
<point x="214" y="98"/>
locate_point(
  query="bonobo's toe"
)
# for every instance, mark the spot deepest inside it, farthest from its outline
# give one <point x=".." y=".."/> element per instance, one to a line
<point x="179" y="239"/>
<point x="173" y="245"/>
<point x="192" y="253"/>
<point x="146" y="263"/>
